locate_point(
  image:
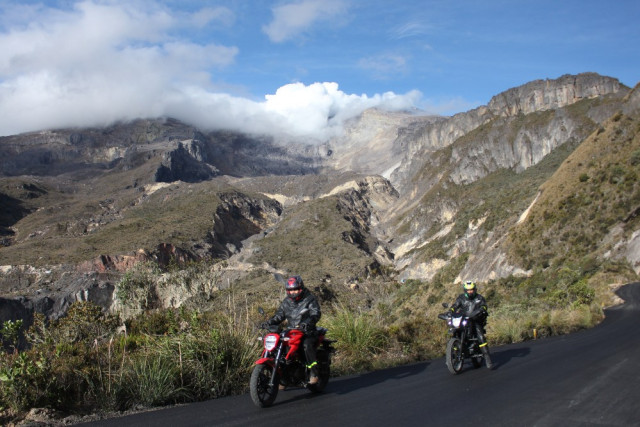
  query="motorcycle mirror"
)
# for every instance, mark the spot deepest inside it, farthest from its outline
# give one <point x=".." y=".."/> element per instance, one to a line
<point x="261" y="311"/>
<point x="280" y="278"/>
<point x="445" y="305"/>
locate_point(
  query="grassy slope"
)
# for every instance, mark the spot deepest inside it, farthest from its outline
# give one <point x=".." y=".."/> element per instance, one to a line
<point x="594" y="190"/>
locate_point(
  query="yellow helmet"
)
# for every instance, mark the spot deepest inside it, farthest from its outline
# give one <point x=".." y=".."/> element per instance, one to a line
<point x="469" y="287"/>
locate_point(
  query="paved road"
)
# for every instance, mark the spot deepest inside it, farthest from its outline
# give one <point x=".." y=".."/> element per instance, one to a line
<point x="584" y="379"/>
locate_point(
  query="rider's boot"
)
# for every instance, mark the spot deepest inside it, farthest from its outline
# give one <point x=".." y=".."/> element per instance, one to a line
<point x="313" y="373"/>
<point x="482" y="341"/>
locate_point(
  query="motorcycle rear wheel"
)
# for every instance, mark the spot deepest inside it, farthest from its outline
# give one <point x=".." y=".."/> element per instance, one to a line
<point x="455" y="357"/>
<point x="262" y="394"/>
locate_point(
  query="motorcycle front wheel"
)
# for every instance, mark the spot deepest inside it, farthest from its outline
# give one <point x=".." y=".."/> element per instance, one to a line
<point x="262" y="394"/>
<point x="455" y="357"/>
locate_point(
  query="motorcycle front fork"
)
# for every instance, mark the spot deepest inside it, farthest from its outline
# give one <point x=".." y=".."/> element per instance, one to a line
<point x="276" y="365"/>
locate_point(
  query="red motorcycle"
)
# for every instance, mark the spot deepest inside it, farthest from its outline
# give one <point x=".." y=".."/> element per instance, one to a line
<point x="282" y="364"/>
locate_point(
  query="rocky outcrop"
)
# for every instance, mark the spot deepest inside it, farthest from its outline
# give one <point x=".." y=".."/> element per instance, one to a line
<point x="52" y="291"/>
<point x="238" y="218"/>
<point x="514" y="145"/>
<point x="116" y="263"/>
<point x="361" y="206"/>
<point x="185" y="163"/>
<point x="542" y="95"/>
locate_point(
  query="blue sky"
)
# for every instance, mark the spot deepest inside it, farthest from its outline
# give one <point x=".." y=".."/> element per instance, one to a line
<point x="298" y="67"/>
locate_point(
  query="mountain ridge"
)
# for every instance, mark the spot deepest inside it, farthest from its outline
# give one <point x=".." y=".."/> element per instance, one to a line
<point x="397" y="192"/>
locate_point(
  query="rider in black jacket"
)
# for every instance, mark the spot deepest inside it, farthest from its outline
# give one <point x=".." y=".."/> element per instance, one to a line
<point x="293" y="310"/>
<point x="475" y="306"/>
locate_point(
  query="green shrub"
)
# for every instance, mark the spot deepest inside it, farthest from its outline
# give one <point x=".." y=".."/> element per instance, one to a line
<point x="26" y="381"/>
<point x="150" y="380"/>
<point x="360" y="337"/>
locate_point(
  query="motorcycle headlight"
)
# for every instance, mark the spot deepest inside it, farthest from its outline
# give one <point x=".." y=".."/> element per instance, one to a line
<point x="270" y="342"/>
<point x="456" y="321"/>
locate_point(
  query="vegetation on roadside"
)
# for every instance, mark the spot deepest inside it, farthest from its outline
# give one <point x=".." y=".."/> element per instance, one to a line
<point x="89" y="362"/>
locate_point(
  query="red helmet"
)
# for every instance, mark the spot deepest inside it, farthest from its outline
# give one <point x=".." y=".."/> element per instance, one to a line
<point x="293" y="283"/>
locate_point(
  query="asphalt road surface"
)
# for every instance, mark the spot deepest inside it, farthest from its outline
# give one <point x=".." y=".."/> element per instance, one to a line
<point x="589" y="378"/>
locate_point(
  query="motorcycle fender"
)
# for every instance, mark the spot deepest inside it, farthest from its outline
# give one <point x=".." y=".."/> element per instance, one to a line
<point x="265" y="361"/>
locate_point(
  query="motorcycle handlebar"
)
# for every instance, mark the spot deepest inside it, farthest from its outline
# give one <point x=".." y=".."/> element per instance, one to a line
<point x="278" y="328"/>
<point x="271" y="328"/>
<point x="476" y="313"/>
<point x="473" y="315"/>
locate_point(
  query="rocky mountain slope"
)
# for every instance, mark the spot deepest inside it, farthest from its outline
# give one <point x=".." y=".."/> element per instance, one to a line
<point x="397" y="196"/>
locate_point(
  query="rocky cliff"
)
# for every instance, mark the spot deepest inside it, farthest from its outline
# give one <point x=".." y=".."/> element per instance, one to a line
<point x="542" y="95"/>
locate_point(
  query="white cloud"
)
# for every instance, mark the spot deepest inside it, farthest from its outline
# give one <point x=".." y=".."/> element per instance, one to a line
<point x="101" y="62"/>
<point x="320" y="109"/>
<point x="292" y="19"/>
<point x="316" y="112"/>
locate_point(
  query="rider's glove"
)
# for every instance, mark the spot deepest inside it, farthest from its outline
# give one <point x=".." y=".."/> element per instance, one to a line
<point x="304" y="327"/>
